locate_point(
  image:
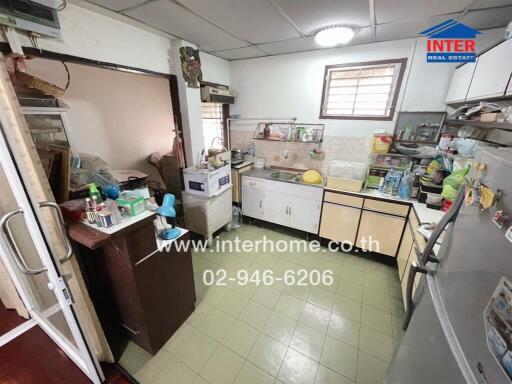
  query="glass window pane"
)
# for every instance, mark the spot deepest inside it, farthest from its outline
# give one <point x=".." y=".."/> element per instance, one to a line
<point x="361" y="90"/>
<point x="213" y="124"/>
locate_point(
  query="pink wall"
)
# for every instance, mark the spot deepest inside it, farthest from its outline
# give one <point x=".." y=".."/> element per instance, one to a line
<point x="121" y="117"/>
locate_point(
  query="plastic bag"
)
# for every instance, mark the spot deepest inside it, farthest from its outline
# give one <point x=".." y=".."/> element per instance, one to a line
<point x="453" y="183"/>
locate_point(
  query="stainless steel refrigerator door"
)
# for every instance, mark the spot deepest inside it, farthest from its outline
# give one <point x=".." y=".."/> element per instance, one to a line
<point x="424" y="355"/>
<point x="473" y="261"/>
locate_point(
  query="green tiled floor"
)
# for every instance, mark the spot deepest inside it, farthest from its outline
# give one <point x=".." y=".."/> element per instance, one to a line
<point x="343" y="333"/>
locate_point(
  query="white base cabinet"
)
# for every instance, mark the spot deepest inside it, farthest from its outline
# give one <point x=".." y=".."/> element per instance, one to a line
<point x="292" y="205"/>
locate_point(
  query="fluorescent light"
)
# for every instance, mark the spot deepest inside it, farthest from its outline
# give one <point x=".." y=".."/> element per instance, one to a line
<point x="331" y="36"/>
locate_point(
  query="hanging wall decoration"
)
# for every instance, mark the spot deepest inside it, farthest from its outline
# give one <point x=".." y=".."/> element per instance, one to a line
<point x="191" y="66"/>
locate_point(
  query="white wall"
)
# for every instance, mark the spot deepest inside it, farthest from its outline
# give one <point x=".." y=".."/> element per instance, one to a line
<point x="119" y="116"/>
<point x="291" y="85"/>
<point x="215" y="69"/>
<point x="93" y="36"/>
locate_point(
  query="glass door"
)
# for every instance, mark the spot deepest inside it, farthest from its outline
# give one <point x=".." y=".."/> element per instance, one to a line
<point x="26" y="252"/>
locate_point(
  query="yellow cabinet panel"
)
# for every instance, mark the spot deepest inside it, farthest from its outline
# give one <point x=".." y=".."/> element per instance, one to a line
<point x="339" y="223"/>
<point x="404" y="251"/>
<point x="379" y="232"/>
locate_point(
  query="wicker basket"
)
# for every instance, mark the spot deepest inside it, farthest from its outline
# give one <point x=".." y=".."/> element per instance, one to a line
<point x="41" y="85"/>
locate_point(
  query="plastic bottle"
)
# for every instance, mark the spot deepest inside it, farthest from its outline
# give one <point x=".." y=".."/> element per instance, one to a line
<point x="94" y="193"/>
<point x="388" y="182"/>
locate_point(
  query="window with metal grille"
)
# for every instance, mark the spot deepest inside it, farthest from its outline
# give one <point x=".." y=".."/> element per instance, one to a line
<point x="213" y="124"/>
<point x="364" y="91"/>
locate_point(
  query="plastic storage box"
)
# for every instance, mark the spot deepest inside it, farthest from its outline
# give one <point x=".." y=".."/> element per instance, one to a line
<point x="346" y="175"/>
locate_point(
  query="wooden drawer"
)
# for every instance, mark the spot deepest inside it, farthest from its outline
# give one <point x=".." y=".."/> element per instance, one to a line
<point x="386" y="207"/>
<point x="339" y="198"/>
<point x="385" y="230"/>
<point x="339" y="223"/>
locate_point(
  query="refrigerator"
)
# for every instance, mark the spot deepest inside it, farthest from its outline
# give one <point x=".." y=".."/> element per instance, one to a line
<point x="458" y="324"/>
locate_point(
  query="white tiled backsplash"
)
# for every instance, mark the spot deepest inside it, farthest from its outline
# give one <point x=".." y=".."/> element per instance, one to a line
<point x="335" y="148"/>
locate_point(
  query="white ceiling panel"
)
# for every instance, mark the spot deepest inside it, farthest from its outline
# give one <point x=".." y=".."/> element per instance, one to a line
<point x="179" y="22"/>
<point x="286" y="46"/>
<point x="311" y="15"/>
<point x="256" y="21"/>
<point x="490" y="3"/>
<point x="387" y="11"/>
<point x="117" y="5"/>
<point x="408" y="29"/>
<point x="488" y="18"/>
<point x="241" y="53"/>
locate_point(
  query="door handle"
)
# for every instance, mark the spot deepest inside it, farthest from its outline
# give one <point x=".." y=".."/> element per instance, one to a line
<point x="62" y="228"/>
<point x="415" y="268"/>
<point x="18" y="258"/>
<point x="450" y="217"/>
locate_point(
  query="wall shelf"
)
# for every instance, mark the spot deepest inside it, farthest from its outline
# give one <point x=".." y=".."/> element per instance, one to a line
<point x="480" y="124"/>
<point x="290" y="132"/>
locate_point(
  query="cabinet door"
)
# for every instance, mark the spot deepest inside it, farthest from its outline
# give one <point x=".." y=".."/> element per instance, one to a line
<point x="276" y="207"/>
<point x="339" y="223"/>
<point x="404" y="251"/>
<point x="492" y="72"/>
<point x="252" y="197"/>
<point x="459" y="85"/>
<point x="412" y="257"/>
<point x="379" y="232"/>
<point x="303" y="214"/>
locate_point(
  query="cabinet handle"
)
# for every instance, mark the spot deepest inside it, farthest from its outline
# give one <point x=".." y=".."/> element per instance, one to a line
<point x="290" y="210"/>
<point x="415" y="268"/>
<point x="260" y="203"/>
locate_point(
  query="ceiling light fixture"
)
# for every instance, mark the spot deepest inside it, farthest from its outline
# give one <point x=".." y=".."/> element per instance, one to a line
<point x="334" y="35"/>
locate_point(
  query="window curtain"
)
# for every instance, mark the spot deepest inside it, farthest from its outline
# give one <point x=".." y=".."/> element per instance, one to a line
<point x="32" y="172"/>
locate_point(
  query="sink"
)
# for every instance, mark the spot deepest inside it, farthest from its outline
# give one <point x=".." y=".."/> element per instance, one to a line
<point x="287" y="176"/>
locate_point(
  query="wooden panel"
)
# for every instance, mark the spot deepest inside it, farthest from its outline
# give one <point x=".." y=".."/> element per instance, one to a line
<point x="340" y="198"/>
<point x="404" y="251"/>
<point x="380" y="233"/>
<point x="339" y="223"/>
<point x="235" y="191"/>
<point x="412" y="257"/>
<point x="142" y="241"/>
<point x="386" y="207"/>
<point x="165" y="284"/>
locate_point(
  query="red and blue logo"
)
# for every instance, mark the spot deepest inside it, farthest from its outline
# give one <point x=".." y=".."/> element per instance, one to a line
<point x="450" y="42"/>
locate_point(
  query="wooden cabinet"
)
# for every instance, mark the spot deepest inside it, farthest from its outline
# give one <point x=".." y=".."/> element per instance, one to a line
<point x="339" y="222"/>
<point x="236" y="176"/>
<point x="138" y="291"/>
<point x="292" y="205"/>
<point x="492" y="72"/>
<point x="380" y="232"/>
<point x="405" y="250"/>
<point x="459" y="85"/>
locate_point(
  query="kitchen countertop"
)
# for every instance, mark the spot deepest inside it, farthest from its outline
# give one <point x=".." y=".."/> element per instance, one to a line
<point x="425" y="215"/>
<point x="266" y="172"/>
